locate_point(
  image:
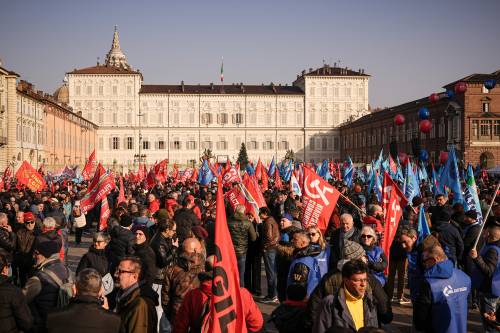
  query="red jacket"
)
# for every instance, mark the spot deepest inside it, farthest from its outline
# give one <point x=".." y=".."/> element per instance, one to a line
<point x="154" y="206"/>
<point x="192" y="307"/>
<point x="374" y="223"/>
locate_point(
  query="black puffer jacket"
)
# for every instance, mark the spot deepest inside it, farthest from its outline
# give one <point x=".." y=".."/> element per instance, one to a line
<point x="15" y="315"/>
<point x="148" y="260"/>
<point x="450" y="239"/>
<point x="121" y="245"/>
<point x="165" y="253"/>
<point x="242" y="231"/>
<point x="95" y="259"/>
<point x="185" y="220"/>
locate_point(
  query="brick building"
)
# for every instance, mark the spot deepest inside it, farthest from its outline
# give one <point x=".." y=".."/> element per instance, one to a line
<point x="470" y="121"/>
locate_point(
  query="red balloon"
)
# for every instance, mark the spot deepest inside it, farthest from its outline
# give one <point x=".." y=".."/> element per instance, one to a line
<point x="460" y="87"/>
<point x="425" y="126"/>
<point x="399" y="119"/>
<point x="443" y="157"/>
<point x="434" y="98"/>
<point x="403" y="158"/>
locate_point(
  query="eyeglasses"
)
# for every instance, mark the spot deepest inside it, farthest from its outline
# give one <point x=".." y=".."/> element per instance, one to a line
<point x="120" y="272"/>
<point x="312" y="234"/>
<point x="30" y="222"/>
<point x="366" y="236"/>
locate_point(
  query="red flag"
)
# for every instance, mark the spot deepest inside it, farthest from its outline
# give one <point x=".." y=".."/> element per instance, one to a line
<point x="160" y="171"/>
<point x="121" y="194"/>
<point x="105" y="213"/>
<point x="27" y="175"/>
<point x="175" y="172"/>
<point x="101" y="185"/>
<point x="265" y="179"/>
<point x="277" y="179"/>
<point x="188" y="173"/>
<point x="258" y="170"/>
<point x="235" y="197"/>
<point x="141" y="173"/>
<point x="89" y="166"/>
<point x="226" y="306"/>
<point x="320" y="199"/>
<point x="393" y="212"/>
<point x="231" y="176"/>
<point x="194" y="177"/>
<point x="150" y="179"/>
<point x="251" y="185"/>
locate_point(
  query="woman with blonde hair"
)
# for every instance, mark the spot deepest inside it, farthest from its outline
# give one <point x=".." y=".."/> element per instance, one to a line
<point x="316" y="237"/>
<point x="377" y="260"/>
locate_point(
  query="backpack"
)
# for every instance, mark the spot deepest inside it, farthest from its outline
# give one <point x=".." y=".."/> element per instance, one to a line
<point x="65" y="292"/>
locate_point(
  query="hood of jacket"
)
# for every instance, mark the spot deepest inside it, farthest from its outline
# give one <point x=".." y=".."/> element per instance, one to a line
<point x="309" y="251"/>
<point x="441" y="270"/>
<point x="97" y="252"/>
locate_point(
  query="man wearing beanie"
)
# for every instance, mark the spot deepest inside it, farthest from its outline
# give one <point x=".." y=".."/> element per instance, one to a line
<point x="23" y="256"/>
<point x="121" y="243"/>
<point x="42" y="289"/>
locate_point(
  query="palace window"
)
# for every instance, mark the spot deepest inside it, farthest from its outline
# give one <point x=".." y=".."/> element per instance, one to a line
<point x="486" y="107"/>
<point x="191" y="145"/>
<point x="161" y="144"/>
<point x="283" y="117"/>
<point x="176" y="144"/>
<point x="115" y="143"/>
<point x="222" y="118"/>
<point x="324" y="143"/>
<point x="252" y="145"/>
<point x="207" y="118"/>
<point x="267" y="145"/>
<point x="283" y="145"/>
<point x="130" y="143"/>
<point x="312" y="144"/>
<point x="206" y="144"/>
<point x="101" y="90"/>
<point x="146" y="145"/>
<point x="115" y="90"/>
<point x="222" y="145"/>
<point x="238" y="118"/>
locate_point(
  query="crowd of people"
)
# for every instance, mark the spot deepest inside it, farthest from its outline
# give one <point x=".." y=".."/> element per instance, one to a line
<point x="151" y="270"/>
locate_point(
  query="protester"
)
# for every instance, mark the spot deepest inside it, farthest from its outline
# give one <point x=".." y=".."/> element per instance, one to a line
<point x="284" y="255"/>
<point x="137" y="311"/>
<point x="87" y="311"/>
<point x="96" y="256"/>
<point x="182" y="277"/>
<point x="377" y="260"/>
<point x="398" y="263"/>
<point x="195" y="306"/>
<point x="441" y="304"/>
<point x="42" y="288"/>
<point x="270" y="234"/>
<point x="7" y="236"/>
<point x="289" y="316"/>
<point x="143" y="251"/>
<point x="14" y="311"/>
<point x="242" y="232"/>
<point x="121" y="243"/>
<point x="486" y="272"/>
<point x="23" y="255"/>
<point x="347" y="231"/>
<point x="185" y="219"/>
<point x="448" y="235"/>
<point x="78" y="221"/>
<point x="352" y="306"/>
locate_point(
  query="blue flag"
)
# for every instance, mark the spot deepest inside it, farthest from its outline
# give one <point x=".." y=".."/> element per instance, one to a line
<point x="250" y="170"/>
<point x="423" y="227"/>
<point x="286" y="171"/>
<point x="471" y="197"/>
<point x="378" y="188"/>
<point x="411" y="186"/>
<point x="272" y="168"/>
<point x="371" y="180"/>
<point x="450" y="178"/>
<point x="349" y="172"/>
<point x="205" y="174"/>
<point x="324" y="171"/>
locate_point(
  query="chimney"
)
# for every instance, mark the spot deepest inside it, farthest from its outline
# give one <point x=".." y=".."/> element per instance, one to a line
<point x="182" y="85"/>
<point x="211" y="86"/>
<point x="334" y="65"/>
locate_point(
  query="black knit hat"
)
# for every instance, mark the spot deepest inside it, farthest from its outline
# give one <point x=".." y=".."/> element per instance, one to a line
<point x="126" y="221"/>
<point x="47" y="246"/>
<point x="144" y="229"/>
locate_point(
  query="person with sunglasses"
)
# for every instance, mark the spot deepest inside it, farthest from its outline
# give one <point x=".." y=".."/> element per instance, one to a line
<point x="96" y="256"/>
<point x="23" y="256"/>
<point x="377" y="260"/>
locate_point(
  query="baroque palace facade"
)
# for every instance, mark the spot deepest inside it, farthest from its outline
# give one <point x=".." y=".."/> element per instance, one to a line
<point x="142" y="122"/>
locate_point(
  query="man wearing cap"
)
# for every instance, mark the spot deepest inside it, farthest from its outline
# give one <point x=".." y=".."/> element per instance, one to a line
<point x="42" y="290"/>
<point x="242" y="232"/>
<point x="23" y="256"/>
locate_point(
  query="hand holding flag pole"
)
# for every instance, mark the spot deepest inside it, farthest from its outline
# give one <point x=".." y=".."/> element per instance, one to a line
<point x="353" y="204"/>
<point x="486" y="217"/>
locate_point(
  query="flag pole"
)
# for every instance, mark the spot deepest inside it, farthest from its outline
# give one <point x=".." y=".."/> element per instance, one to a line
<point x="486" y="217"/>
<point x="353" y="204"/>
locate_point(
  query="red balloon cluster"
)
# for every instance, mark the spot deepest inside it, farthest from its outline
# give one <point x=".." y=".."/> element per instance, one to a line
<point x="399" y="119"/>
<point x="460" y="87"/>
<point x="434" y="98"/>
<point x="425" y="126"/>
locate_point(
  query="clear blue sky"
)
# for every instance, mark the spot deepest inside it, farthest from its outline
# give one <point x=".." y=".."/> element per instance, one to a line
<point x="411" y="48"/>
